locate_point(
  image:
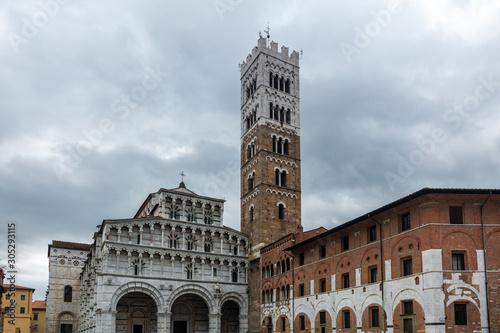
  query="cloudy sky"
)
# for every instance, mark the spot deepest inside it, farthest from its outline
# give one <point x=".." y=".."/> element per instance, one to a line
<point x="104" y="102"/>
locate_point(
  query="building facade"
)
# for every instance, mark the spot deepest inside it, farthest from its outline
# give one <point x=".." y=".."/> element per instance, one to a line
<point x="66" y="261"/>
<point x="270" y="154"/>
<point x="17" y="308"/>
<point x="419" y="264"/>
<point x="174" y="267"/>
<point x="39" y="316"/>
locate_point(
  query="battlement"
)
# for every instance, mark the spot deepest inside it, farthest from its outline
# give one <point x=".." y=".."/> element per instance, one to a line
<point x="272" y="50"/>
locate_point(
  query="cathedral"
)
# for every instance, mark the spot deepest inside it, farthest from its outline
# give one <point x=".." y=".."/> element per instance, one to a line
<point x="427" y="262"/>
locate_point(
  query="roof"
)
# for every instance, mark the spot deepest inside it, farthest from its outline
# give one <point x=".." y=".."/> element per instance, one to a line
<point x="39" y="305"/>
<point x="70" y="245"/>
<point x="7" y="286"/>
<point x="414" y="195"/>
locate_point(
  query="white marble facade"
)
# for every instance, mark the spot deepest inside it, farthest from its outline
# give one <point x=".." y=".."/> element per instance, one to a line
<point x="173" y="265"/>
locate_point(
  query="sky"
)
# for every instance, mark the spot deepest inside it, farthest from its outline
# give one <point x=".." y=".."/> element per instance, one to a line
<point x="104" y="102"/>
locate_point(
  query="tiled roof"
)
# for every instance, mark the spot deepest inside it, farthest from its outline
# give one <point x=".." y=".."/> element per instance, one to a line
<point x="71" y="245"/>
<point x="7" y="286"/>
<point x="39" y="305"/>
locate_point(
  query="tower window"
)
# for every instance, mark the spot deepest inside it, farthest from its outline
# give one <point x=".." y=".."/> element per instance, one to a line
<point x="282" y="84"/>
<point x="288" y="118"/>
<point x="282" y="115"/>
<point x="287" y="86"/>
<point x="251" y="214"/>
<point x="234" y="275"/>
<point x="68" y="294"/>
<point x="276" y="82"/>
<point x="281" y="211"/>
<point x="270" y="79"/>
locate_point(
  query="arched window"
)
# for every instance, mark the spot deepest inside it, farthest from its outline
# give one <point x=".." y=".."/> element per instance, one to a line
<point x="285" y="147"/>
<point x="271" y="79"/>
<point x="287" y="86"/>
<point x="277" y="177"/>
<point x="279" y="267"/>
<point x="274" y="144"/>
<point x="271" y="110"/>
<point x="282" y="84"/>
<point x="251" y="214"/>
<point x="234" y="275"/>
<point x="281" y="211"/>
<point x="189" y="271"/>
<point x="276" y="81"/>
<point x="283" y="179"/>
<point x="276" y="113"/>
<point x="68" y="294"/>
<point x="288" y="117"/>
<point x="282" y="115"/>
<point x="280" y="146"/>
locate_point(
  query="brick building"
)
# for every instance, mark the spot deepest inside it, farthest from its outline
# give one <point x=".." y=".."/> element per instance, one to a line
<point x="414" y="265"/>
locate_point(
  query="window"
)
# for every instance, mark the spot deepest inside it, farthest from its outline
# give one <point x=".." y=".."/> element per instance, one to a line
<point x="407" y="267"/>
<point x="301" y="259"/>
<point x="66" y="328"/>
<point x="456" y="216"/>
<point x="35" y="316"/>
<point x="68" y="294"/>
<point x="408" y="307"/>
<point x="405" y="222"/>
<point x="372" y="232"/>
<point x="322" y="318"/>
<point x="281" y="211"/>
<point x="138" y="239"/>
<point x="458" y="261"/>
<point x="374" y="320"/>
<point x="345" y="280"/>
<point x="23" y="310"/>
<point x="283" y="324"/>
<point x="301" y="290"/>
<point x="234" y="276"/>
<point x="207" y="247"/>
<point x="7" y="296"/>
<point x="302" y="321"/>
<point x="322" y="285"/>
<point x="189" y="245"/>
<point x="322" y="251"/>
<point x="345" y="243"/>
<point x="460" y="314"/>
<point x="347" y="319"/>
<point x="251" y="214"/>
<point x="235" y="250"/>
<point x="189" y="272"/>
<point x="215" y="272"/>
<point x="23" y="297"/>
<point x="136" y="270"/>
<point x="373" y="274"/>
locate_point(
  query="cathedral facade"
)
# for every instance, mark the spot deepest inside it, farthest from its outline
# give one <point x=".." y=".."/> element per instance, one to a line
<point x="173" y="267"/>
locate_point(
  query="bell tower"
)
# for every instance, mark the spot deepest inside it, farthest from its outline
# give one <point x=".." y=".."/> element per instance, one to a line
<point x="270" y="155"/>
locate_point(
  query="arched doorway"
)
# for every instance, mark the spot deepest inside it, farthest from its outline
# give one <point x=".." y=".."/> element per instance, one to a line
<point x="230" y="320"/>
<point x="190" y="314"/>
<point x="136" y="312"/>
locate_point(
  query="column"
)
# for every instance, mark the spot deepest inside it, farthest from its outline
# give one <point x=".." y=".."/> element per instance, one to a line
<point x="214" y="322"/>
<point x="167" y="320"/>
<point x="162" y="235"/>
<point x="183" y="238"/>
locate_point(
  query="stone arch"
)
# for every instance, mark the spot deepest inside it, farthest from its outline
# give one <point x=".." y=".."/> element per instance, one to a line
<point x="323" y="306"/>
<point x="407" y="294"/>
<point x="345" y="303"/>
<point x="463" y="242"/>
<point x="66" y="318"/>
<point x="141" y="287"/>
<point x="236" y="297"/>
<point x="192" y="289"/>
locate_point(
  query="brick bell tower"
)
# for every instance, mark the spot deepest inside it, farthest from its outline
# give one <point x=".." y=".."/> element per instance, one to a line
<point x="270" y="155"/>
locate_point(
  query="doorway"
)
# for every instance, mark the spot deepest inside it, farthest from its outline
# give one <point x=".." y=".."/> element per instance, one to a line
<point x="138" y="329"/>
<point x="180" y="326"/>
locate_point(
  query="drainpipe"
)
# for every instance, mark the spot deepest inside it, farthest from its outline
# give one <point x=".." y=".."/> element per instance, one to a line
<point x="485" y="267"/>
<point x="382" y="272"/>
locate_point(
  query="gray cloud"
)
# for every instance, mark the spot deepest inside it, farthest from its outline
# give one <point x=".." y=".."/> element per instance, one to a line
<point x="360" y="119"/>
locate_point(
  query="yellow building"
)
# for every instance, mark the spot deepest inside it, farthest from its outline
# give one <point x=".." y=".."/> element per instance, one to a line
<point x="17" y="305"/>
<point x="38" y="322"/>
